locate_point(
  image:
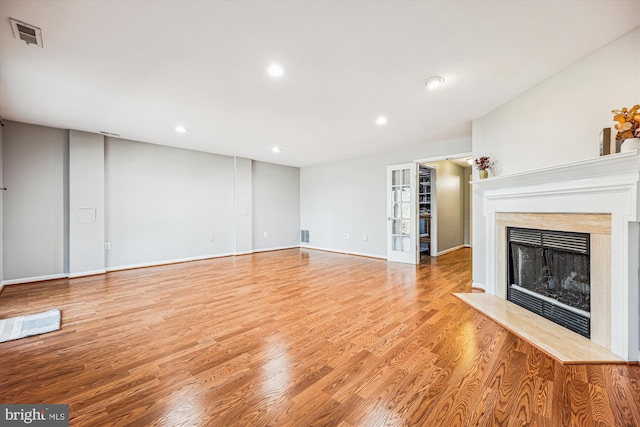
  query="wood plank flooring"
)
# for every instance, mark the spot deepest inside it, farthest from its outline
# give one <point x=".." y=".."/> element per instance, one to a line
<point x="295" y="338"/>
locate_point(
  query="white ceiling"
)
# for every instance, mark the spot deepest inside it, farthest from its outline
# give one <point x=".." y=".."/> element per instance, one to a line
<point x="140" y="68"/>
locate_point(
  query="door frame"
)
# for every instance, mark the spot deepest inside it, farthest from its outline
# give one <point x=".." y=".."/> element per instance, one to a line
<point x="434" y="201"/>
<point x="433" y="229"/>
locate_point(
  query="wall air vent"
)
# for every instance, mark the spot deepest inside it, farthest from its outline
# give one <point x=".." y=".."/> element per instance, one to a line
<point x="27" y="33"/>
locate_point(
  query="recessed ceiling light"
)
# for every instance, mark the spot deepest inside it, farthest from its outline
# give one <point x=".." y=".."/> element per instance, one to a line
<point x="276" y="149"/>
<point x="381" y="121"/>
<point x="275" y="70"/>
<point x="181" y="129"/>
<point x="433" y="82"/>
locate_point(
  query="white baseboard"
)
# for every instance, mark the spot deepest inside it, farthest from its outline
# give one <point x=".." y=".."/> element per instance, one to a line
<point x="446" y="251"/>
<point x="243" y="253"/>
<point x="279" y="248"/>
<point x="172" y="261"/>
<point x="318" y="248"/>
<point x="34" y="279"/>
<point x="86" y="273"/>
<point x="477" y="285"/>
<point x="166" y="262"/>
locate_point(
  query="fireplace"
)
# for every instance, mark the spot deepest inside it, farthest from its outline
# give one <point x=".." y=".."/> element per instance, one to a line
<point x="600" y="197"/>
<point x="549" y="274"/>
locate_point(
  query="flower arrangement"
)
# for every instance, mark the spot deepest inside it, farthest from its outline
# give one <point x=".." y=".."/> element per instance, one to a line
<point x="483" y="163"/>
<point x="628" y="119"/>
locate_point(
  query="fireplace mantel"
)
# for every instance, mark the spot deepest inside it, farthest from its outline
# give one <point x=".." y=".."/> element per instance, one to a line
<point x="615" y="167"/>
<point x="605" y="185"/>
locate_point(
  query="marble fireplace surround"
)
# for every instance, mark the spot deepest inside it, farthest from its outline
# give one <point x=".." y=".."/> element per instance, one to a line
<point x="597" y="196"/>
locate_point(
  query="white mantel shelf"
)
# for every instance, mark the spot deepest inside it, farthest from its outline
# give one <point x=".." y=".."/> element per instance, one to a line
<point x="607" y="185"/>
<point x="598" y="168"/>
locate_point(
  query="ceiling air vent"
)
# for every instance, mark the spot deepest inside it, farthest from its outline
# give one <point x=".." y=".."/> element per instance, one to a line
<point x="26" y="32"/>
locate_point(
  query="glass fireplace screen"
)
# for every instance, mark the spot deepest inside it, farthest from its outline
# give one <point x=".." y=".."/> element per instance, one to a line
<point x="555" y="265"/>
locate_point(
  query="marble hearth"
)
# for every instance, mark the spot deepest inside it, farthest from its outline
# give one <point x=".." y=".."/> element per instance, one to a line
<point x="599" y="197"/>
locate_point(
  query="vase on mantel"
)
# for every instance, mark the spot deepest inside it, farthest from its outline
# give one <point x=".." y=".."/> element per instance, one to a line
<point x="630" y="144"/>
<point x="483" y="173"/>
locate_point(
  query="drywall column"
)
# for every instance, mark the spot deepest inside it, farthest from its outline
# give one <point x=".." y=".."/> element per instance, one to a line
<point x="276" y="206"/>
<point x="86" y="203"/>
<point x="33" y="209"/>
<point x="242" y="197"/>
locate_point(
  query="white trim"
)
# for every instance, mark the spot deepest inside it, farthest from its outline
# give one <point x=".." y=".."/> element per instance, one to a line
<point x="166" y="262"/>
<point x="34" y="279"/>
<point x="446" y="251"/>
<point x="446" y="157"/>
<point x="318" y="248"/>
<point x="477" y="285"/>
<point x="87" y="273"/>
<point x="279" y="248"/>
<point x="243" y="253"/>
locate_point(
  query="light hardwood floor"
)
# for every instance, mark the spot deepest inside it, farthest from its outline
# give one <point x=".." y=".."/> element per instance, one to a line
<point x="295" y="338"/>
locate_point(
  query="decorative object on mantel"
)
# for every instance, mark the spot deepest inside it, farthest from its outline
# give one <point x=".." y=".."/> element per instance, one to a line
<point x="605" y="142"/>
<point x="483" y="164"/>
<point x="628" y="127"/>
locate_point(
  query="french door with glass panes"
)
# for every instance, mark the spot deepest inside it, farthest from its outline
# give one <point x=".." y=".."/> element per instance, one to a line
<point x="401" y="211"/>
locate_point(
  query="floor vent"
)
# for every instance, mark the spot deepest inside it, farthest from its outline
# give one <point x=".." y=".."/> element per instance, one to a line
<point x="560" y="315"/>
<point x="27" y="33"/>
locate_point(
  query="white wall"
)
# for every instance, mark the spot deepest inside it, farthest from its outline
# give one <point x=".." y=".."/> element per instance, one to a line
<point x="166" y="204"/>
<point x="33" y="208"/>
<point x="349" y="197"/>
<point x="557" y="121"/>
<point x="86" y="203"/>
<point x="560" y="120"/>
<point x="276" y="206"/>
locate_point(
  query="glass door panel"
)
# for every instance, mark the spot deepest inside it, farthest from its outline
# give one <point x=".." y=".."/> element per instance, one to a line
<point x="401" y="208"/>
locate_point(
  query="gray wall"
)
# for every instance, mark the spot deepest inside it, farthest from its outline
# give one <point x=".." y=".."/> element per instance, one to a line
<point x="152" y="203"/>
<point x="243" y="206"/>
<point x="1" y="207"/>
<point x="449" y="204"/>
<point x="349" y="197"/>
<point x="166" y="203"/>
<point x="34" y="204"/>
<point x="276" y="206"/>
<point x="86" y="203"/>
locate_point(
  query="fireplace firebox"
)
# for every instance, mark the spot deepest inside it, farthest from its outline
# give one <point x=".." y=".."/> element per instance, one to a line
<point x="549" y="274"/>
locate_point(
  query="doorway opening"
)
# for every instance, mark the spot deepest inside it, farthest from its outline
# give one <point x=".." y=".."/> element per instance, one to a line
<point x="443" y="205"/>
<point x="426" y="211"/>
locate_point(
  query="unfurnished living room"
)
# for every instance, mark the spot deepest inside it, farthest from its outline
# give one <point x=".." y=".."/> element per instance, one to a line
<point x="320" y="213"/>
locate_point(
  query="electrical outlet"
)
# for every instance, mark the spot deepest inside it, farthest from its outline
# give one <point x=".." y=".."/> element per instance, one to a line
<point x="265" y="234"/>
<point x="365" y="238"/>
<point x="345" y="235"/>
<point x="213" y="239"/>
<point x="107" y="246"/>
